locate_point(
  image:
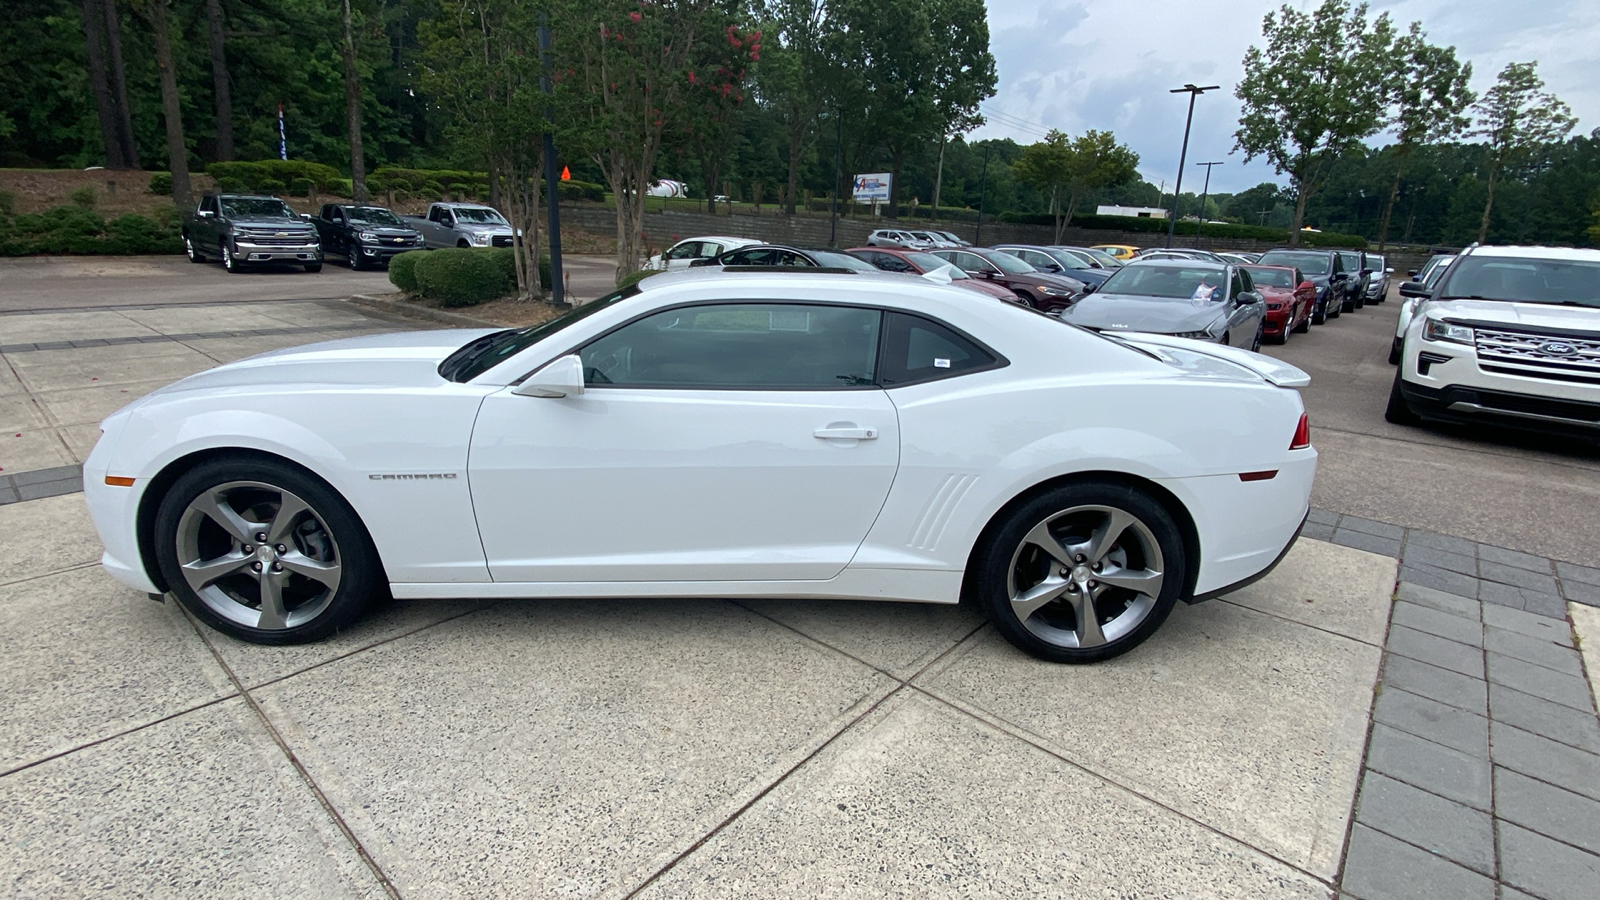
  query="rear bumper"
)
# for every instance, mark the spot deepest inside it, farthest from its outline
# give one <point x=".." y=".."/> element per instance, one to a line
<point x="1245" y="527"/>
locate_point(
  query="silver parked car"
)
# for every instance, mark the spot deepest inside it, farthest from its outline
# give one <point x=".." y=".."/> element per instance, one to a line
<point x="894" y="237"/>
<point x="1189" y="298"/>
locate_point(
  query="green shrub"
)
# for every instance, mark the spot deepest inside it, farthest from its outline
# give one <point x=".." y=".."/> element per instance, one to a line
<point x="8" y="204"/>
<point x="230" y="185"/>
<point x="582" y="190"/>
<point x="270" y="175"/>
<point x="507" y="261"/>
<point x="403" y="270"/>
<point x="71" y="229"/>
<point x="302" y="187"/>
<point x="83" y="198"/>
<point x="636" y="277"/>
<point x="460" y="276"/>
<point x="344" y="187"/>
<point x="161" y="183"/>
<point x="427" y="182"/>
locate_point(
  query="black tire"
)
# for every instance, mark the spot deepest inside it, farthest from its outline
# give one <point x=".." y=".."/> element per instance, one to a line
<point x="1284" y="337"/>
<point x="1361" y="298"/>
<point x="1125" y="617"/>
<point x="463" y="243"/>
<point x="1319" y="313"/>
<point x="192" y="251"/>
<point x="1398" y="412"/>
<point x="1305" y="324"/>
<point x="1394" y="352"/>
<point x="327" y="533"/>
<point x="1255" y="346"/>
<point x="357" y="261"/>
<point x="313" y="267"/>
<point x="1335" y="307"/>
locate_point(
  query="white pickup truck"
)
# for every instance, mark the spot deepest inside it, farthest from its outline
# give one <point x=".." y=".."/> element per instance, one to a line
<point x="461" y="225"/>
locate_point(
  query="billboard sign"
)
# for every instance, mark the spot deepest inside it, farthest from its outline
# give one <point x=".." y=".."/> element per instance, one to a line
<point x="871" y="188"/>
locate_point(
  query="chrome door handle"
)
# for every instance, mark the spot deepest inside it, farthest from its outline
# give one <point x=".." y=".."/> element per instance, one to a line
<point x="857" y="434"/>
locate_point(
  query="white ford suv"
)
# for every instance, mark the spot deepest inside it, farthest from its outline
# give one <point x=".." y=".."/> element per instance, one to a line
<point x="1510" y="335"/>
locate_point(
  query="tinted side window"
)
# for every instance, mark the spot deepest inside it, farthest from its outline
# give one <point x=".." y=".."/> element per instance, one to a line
<point x="209" y="203"/>
<point x="917" y="349"/>
<point x="1240" y="282"/>
<point x="753" y="346"/>
<point x="890" y="263"/>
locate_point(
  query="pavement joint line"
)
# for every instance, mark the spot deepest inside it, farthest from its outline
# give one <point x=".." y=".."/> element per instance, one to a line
<point x="299" y="767"/>
<point x="111" y="737"/>
<point x="1282" y="618"/>
<point x="1042" y="744"/>
<point x="35" y="577"/>
<point x="183" y="338"/>
<point x="1366" y="740"/>
<point x="1484" y="450"/>
<point x="213" y="301"/>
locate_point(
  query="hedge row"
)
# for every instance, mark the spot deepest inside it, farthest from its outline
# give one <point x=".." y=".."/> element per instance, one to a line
<point x="424" y="183"/>
<point x="460" y="276"/>
<point x="278" y="176"/>
<point x="1214" y="229"/>
<point x="72" y="229"/>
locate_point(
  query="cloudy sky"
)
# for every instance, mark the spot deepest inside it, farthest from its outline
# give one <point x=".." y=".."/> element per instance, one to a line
<point x="1079" y="64"/>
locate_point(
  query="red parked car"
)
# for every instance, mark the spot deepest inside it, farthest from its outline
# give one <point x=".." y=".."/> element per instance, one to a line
<point x="916" y="262"/>
<point x="1290" y="300"/>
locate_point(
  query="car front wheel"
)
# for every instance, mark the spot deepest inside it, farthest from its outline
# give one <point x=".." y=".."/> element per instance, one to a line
<point x="1081" y="573"/>
<point x="261" y="551"/>
<point x="1398" y="411"/>
<point x="228" y="260"/>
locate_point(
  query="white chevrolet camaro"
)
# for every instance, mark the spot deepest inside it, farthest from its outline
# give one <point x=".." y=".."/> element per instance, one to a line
<point x="721" y="433"/>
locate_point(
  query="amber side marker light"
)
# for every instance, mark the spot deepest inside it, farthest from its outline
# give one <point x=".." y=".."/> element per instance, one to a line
<point x="1258" y="476"/>
<point x="119" y="481"/>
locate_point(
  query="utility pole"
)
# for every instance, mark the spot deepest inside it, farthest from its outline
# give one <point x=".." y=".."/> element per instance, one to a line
<point x="1183" y="155"/>
<point x="1204" y="192"/>
<point x="983" y="185"/>
<point x="938" y="179"/>
<point x="838" y="178"/>
<point x="552" y="176"/>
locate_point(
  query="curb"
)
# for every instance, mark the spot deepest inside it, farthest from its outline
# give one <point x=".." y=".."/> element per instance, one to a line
<point x="412" y="311"/>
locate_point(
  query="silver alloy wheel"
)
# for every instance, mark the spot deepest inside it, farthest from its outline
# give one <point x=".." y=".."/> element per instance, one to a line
<point x="1085" y="576"/>
<point x="227" y="257"/>
<point x="258" y="555"/>
<point x="188" y="249"/>
<point x="352" y="256"/>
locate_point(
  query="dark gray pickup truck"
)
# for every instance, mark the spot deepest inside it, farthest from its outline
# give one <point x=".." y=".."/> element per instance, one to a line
<point x="244" y="230"/>
<point x="365" y="236"/>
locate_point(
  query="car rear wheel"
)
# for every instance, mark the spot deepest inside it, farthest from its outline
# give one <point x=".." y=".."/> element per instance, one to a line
<point x="263" y="552"/>
<point x="1398" y="411"/>
<point x="191" y="251"/>
<point x="1081" y="573"/>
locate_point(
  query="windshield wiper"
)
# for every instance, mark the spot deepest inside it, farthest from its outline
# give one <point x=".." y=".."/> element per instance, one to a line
<point x="471" y="353"/>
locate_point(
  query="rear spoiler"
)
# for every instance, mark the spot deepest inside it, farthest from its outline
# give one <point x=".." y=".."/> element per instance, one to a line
<point x="1279" y="373"/>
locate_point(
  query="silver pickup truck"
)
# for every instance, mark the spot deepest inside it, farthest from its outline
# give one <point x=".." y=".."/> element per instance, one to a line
<point x="461" y="225"/>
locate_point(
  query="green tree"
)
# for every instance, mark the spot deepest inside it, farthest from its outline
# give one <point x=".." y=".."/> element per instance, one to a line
<point x="1430" y="102"/>
<point x="155" y="13"/>
<point x="1318" y="88"/>
<point x="1518" y="119"/>
<point x="792" y="79"/>
<point x="1068" y="169"/>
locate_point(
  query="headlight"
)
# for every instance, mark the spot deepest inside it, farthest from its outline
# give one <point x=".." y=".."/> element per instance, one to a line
<point x="366" y="236"/>
<point x="479" y="239"/>
<point x="1055" y="291"/>
<point x="1440" y="330"/>
<point x="1196" y="335"/>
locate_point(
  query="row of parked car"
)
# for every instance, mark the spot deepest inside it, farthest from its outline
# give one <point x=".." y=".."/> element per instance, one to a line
<point x="1227" y="298"/>
<point x="244" y="231"/>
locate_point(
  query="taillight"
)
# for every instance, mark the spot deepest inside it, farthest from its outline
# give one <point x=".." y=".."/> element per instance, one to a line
<point x="1302" y="434"/>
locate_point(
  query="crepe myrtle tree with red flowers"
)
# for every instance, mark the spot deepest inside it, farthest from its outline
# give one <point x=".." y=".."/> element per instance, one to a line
<point x="622" y="77"/>
<point x="719" y="79"/>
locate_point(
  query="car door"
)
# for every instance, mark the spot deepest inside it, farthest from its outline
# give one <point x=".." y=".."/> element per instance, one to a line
<point x="713" y="442"/>
<point x="1246" y="310"/>
<point x="680" y="256"/>
<point x="205" y="229"/>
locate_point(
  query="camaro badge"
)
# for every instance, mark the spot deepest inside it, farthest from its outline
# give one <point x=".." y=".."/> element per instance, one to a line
<point x="428" y="476"/>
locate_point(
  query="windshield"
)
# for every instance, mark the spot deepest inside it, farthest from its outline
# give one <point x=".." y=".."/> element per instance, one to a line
<point x="1068" y="259"/>
<point x="1104" y="258"/>
<point x="1565" y="281"/>
<point x="841" y="261"/>
<point x="1009" y="264"/>
<point x="1308" y="261"/>
<point x="372" y="215"/>
<point x="479" y="214"/>
<point x="1198" y="282"/>
<point x="1271" y="276"/>
<point x="480" y="355"/>
<point x="257" y="208"/>
<point x="929" y="264"/>
<point x="1352" y="261"/>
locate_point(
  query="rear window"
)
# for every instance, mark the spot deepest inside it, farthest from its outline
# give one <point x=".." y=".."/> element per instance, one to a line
<point x="1308" y="261"/>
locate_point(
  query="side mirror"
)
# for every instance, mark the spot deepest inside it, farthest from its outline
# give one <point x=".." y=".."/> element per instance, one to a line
<point x="1053" y="267"/>
<point x="1388" y="271"/>
<point x="1338" y="276"/>
<point x="560" y="378"/>
<point x="205" y="214"/>
<point x="1411" y="273"/>
<point x="1306" y="286"/>
<point x="1413" y="289"/>
<point x="1089" y="288"/>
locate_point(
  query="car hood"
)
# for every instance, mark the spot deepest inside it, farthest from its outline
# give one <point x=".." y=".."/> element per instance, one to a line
<point x="1160" y="315"/>
<point x="1531" y="316"/>
<point x="386" y="230"/>
<point x="483" y="226"/>
<point x="270" y="224"/>
<point x="1275" y="294"/>
<point x="405" y="359"/>
<point x="987" y="288"/>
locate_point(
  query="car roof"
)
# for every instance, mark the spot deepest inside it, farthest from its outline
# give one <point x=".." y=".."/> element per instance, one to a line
<point x="1180" y="263"/>
<point x="1536" y="252"/>
<point x="718" y="237"/>
<point x="713" y="274"/>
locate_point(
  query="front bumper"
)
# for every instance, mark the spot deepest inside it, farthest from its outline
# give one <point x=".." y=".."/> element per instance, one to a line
<point x="245" y="251"/>
<point x="115" y="512"/>
<point x="1276" y="320"/>
<point x="386" y="252"/>
<point x="1446" y="381"/>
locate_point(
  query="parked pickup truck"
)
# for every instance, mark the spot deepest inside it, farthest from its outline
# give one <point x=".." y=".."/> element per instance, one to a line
<point x="461" y="225"/>
<point x="365" y="236"/>
<point x="244" y="230"/>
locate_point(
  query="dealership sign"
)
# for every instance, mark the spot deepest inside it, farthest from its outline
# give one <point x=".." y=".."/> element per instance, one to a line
<point x="870" y="188"/>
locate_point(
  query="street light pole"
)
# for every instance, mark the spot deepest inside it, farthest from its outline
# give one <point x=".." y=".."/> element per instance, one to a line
<point x="1204" y="192"/>
<point x="1183" y="155"/>
<point x="983" y="185"/>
